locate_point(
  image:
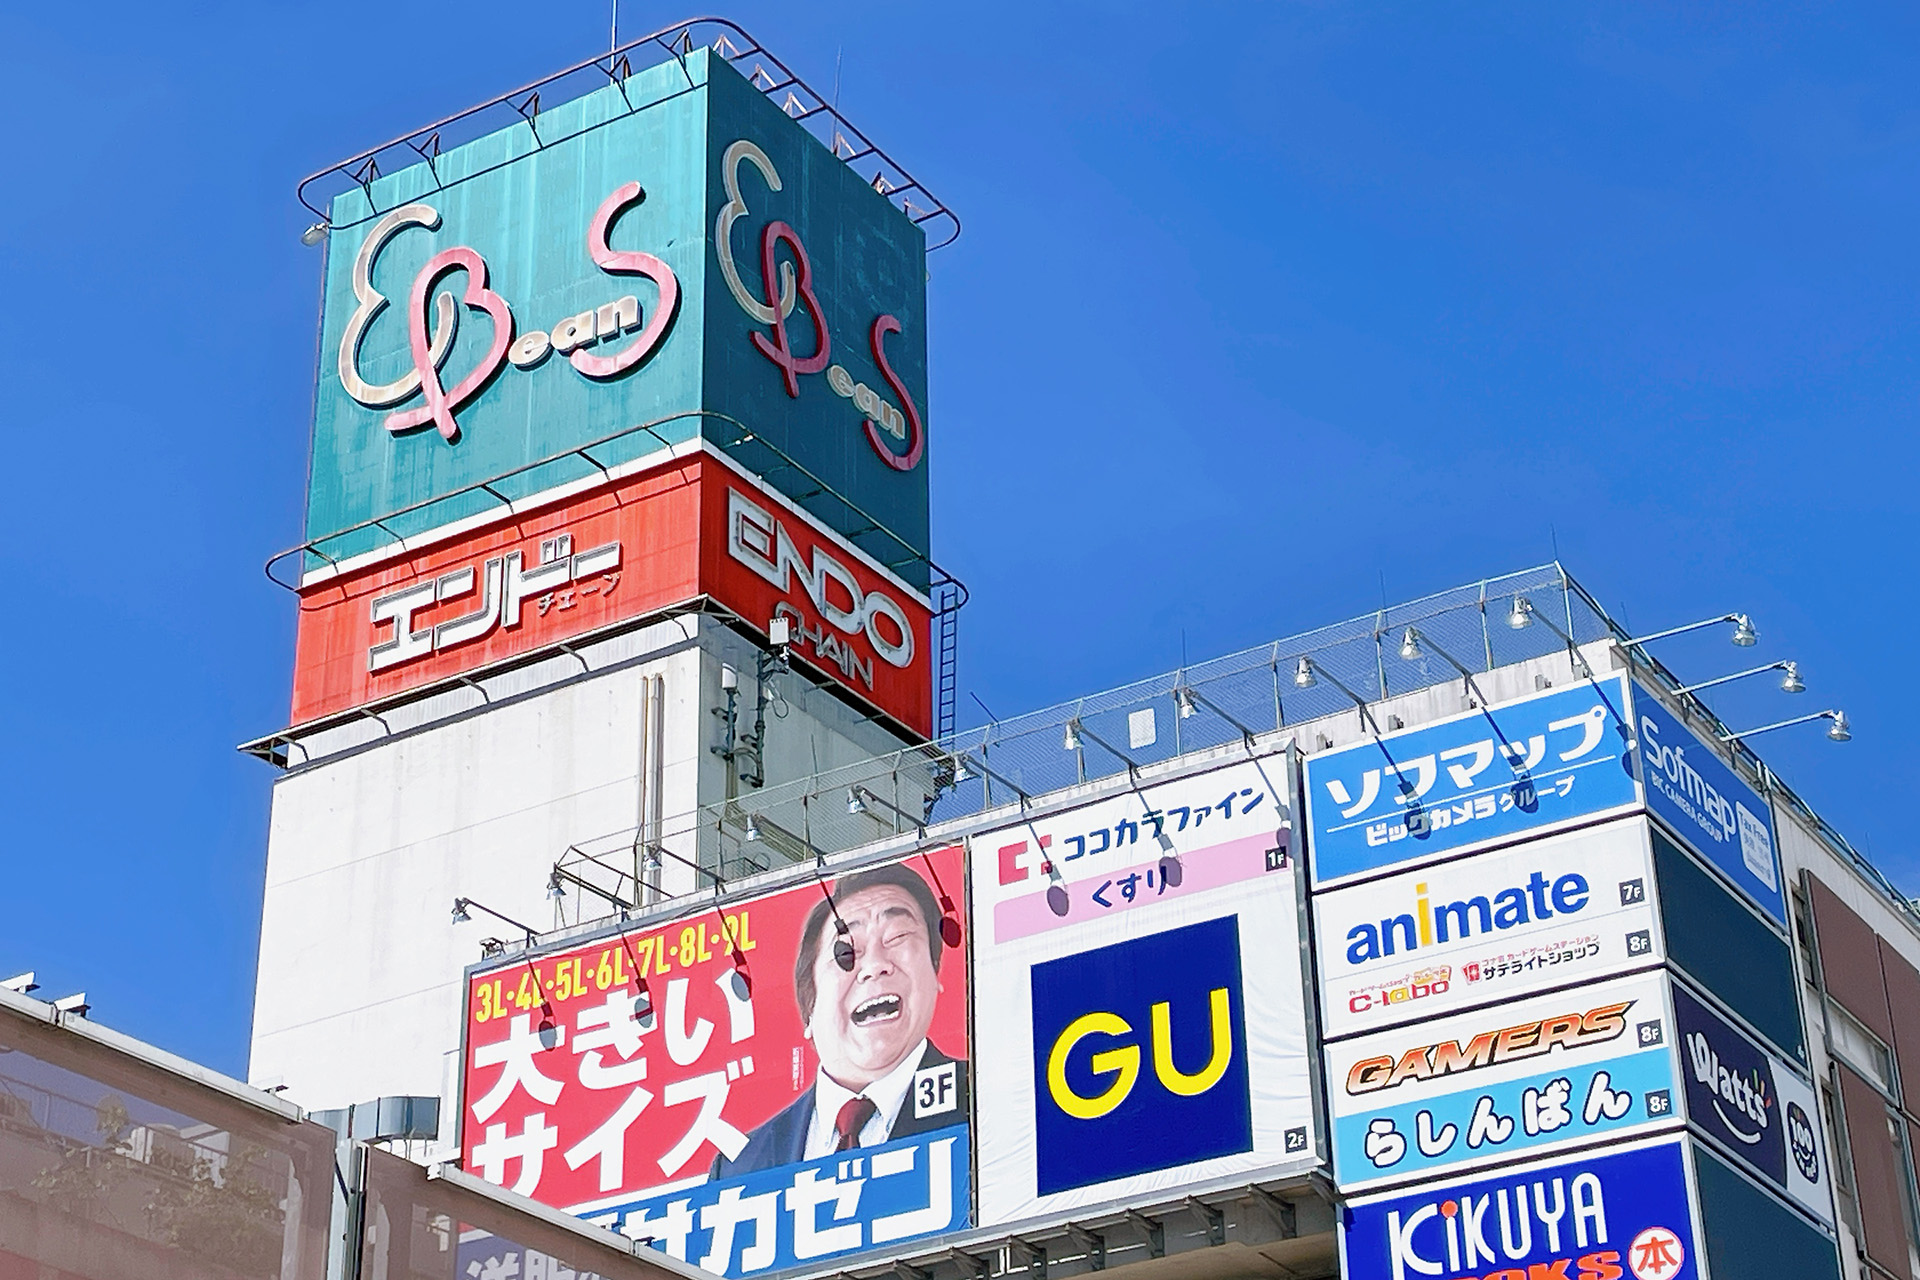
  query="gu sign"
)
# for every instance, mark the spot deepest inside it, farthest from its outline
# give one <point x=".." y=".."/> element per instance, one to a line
<point x="664" y="259"/>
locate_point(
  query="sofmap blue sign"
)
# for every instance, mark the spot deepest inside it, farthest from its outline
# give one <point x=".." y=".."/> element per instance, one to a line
<point x="1140" y="1057"/>
<point x="1624" y="1211"/>
<point x="803" y="1214"/>
<point x="1708" y="806"/>
<point x="1531" y="765"/>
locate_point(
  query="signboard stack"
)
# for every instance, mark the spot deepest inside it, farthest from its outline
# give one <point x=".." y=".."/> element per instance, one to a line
<point x="1522" y="924"/>
<point x="1102" y="1005"/>
<point x="617" y="508"/>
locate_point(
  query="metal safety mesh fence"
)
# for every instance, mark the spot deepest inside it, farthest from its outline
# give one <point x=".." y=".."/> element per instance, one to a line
<point x="1204" y="705"/>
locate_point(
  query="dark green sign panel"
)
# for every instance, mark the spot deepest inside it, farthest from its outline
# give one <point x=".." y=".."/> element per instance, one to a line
<point x="590" y="288"/>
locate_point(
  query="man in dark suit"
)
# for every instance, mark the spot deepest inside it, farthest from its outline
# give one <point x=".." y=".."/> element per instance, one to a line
<point x="880" y="1077"/>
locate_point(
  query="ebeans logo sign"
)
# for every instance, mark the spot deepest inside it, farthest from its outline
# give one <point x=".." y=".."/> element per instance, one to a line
<point x="599" y="343"/>
<point x="790" y="309"/>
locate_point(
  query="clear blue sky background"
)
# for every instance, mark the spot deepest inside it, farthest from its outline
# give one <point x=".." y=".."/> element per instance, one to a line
<point x="1257" y="314"/>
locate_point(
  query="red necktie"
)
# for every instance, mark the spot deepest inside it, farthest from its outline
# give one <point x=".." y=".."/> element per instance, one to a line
<point x="853" y="1117"/>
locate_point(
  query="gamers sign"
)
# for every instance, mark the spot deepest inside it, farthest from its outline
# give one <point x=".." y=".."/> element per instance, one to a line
<point x="609" y="340"/>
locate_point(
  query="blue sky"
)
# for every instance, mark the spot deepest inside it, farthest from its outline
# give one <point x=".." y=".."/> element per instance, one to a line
<point x="1258" y="313"/>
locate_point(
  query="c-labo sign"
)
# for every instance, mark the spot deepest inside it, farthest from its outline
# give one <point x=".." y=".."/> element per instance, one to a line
<point x="667" y="258"/>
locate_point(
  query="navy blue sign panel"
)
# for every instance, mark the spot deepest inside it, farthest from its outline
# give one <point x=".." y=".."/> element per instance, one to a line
<point x="1140" y="1057"/>
<point x="1603" y="1215"/>
<point x="1751" y="1104"/>
<point x="1524" y="767"/>
<point x="1708" y="806"/>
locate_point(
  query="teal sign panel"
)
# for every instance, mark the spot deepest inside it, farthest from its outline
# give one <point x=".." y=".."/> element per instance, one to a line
<point x="590" y="287"/>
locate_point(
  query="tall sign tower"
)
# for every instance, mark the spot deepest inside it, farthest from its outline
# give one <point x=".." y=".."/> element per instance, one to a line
<point x="617" y="510"/>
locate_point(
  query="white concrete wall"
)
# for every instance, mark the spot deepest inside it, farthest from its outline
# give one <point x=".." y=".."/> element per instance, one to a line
<point x="477" y="793"/>
<point x="359" y="983"/>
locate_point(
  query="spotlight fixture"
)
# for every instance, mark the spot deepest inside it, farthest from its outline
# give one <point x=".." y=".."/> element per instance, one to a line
<point x="1303" y="677"/>
<point x="753" y="831"/>
<point x="1070" y="741"/>
<point x="842" y="946"/>
<point x="1183" y="702"/>
<point x="1743" y="633"/>
<point x="1057" y="900"/>
<point x="1520" y="617"/>
<point x="854" y="802"/>
<point x="1789" y="683"/>
<point x="555" y="890"/>
<point x="1838" y="731"/>
<point x="960" y="771"/>
<point x="1410" y="646"/>
<point x="314" y="234"/>
<point x="460" y="915"/>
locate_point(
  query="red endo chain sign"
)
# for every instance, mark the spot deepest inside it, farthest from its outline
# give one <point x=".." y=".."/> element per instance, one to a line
<point x="647" y="542"/>
<point x="723" y="1045"/>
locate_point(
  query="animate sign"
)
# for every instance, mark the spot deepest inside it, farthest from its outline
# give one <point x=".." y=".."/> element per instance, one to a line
<point x="1613" y="1214"/>
<point x="1521" y="1078"/>
<point x="667" y="258"/>
<point x="1524" y="767"/>
<point x="656" y="538"/>
<point x="1141" y="960"/>
<point x="1691" y="788"/>
<point x="1487" y="927"/>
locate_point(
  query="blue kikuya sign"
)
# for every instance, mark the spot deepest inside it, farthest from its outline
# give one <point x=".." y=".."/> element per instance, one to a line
<point x="1624" y="1211"/>
<point x="1531" y="765"/>
<point x="804" y="1214"/>
<point x="1720" y="817"/>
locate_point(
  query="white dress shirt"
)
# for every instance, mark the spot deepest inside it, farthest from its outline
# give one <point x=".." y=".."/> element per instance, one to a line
<point x="888" y="1094"/>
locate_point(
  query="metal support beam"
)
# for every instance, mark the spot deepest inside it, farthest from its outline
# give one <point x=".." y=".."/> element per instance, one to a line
<point x="1283" y="1213"/>
<point x="1092" y="1243"/>
<point x="1215" y="1219"/>
<point x="1153" y="1229"/>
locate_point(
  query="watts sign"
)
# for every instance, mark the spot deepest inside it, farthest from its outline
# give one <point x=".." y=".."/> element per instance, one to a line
<point x="668" y="258"/>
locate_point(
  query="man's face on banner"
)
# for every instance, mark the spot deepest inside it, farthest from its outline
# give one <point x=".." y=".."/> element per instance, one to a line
<point x="867" y="1019"/>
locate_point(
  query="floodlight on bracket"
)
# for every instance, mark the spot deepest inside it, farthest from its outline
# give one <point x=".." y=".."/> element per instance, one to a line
<point x="1304" y="677"/>
<point x="1838" y="731"/>
<point x="1743" y="633"/>
<point x="461" y="907"/>
<point x="1789" y="683"/>
<point x="1410" y="651"/>
<point x="1523" y="615"/>
<point x="1186" y="697"/>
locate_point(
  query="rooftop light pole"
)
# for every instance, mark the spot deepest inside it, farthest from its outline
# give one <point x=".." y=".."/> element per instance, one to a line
<point x="1838" y="731"/>
<point x="1789" y="683"/>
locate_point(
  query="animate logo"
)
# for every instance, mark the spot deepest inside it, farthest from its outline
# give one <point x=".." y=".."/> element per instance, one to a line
<point x="1746" y="1094"/>
<point x="1427" y="926"/>
<point x="759" y="541"/>
<point x="1140" y="1057"/>
<point x="789" y="285"/>
<point x="583" y="339"/>
<point x="1523" y="1040"/>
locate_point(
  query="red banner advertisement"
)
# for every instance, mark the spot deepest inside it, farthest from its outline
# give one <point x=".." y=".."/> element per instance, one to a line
<point x="759" y="1035"/>
<point x="639" y="545"/>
